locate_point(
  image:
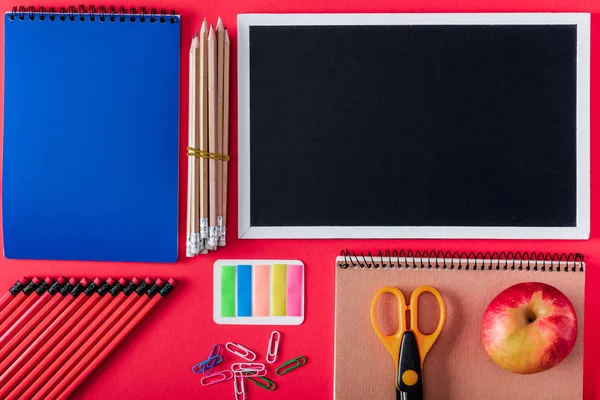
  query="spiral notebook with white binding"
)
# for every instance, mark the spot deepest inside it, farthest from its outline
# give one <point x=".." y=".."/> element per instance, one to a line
<point x="457" y="367"/>
<point x="91" y="134"/>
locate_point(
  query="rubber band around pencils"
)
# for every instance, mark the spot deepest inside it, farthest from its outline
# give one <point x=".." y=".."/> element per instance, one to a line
<point x="192" y="152"/>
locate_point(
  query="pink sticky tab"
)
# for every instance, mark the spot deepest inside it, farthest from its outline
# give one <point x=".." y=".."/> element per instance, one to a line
<point x="294" y="291"/>
<point x="260" y="291"/>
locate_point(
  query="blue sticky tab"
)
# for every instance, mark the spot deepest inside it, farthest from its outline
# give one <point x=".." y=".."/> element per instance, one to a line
<point x="244" y="290"/>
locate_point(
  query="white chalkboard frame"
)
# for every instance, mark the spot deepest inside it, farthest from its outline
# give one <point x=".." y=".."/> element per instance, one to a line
<point x="582" y="229"/>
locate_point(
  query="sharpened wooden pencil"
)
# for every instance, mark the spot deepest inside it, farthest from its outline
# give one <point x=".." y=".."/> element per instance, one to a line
<point x="220" y="49"/>
<point x="212" y="138"/>
<point x="203" y="142"/>
<point x="226" y="51"/>
<point x="198" y="244"/>
<point x="190" y="189"/>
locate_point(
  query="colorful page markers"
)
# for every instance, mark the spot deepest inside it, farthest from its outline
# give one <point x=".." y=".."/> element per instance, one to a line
<point x="258" y="292"/>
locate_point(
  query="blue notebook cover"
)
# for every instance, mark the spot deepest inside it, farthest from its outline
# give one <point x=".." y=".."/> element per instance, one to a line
<point x="91" y="136"/>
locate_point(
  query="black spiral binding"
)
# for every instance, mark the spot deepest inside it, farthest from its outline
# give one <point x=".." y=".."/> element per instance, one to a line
<point x="495" y="261"/>
<point x="82" y="14"/>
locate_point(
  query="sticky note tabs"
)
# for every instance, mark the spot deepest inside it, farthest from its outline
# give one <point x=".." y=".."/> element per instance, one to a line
<point x="228" y="291"/>
<point x="278" y="289"/>
<point x="260" y="291"/>
<point x="294" y="291"/>
<point x="244" y="290"/>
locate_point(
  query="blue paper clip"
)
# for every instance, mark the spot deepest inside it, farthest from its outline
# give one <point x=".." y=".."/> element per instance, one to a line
<point x="207" y="365"/>
<point x="214" y="352"/>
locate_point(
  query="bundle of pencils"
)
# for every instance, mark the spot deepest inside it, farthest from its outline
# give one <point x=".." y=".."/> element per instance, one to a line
<point x="55" y="332"/>
<point x="208" y="132"/>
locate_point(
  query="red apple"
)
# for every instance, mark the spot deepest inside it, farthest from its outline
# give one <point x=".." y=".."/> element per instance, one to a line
<point x="529" y="327"/>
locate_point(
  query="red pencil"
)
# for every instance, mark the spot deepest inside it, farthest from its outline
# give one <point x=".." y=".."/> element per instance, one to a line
<point x="12" y="292"/>
<point x="34" y="327"/>
<point x="70" y="356"/>
<point x="34" y="362"/>
<point x="71" y="342"/>
<point x="108" y="344"/>
<point x="37" y="310"/>
<point x="28" y="289"/>
<point x="30" y="356"/>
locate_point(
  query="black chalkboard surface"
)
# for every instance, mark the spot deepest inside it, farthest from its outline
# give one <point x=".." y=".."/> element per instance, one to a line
<point x="468" y="128"/>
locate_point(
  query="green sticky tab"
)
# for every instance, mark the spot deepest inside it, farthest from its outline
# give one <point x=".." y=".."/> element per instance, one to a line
<point x="228" y="291"/>
<point x="278" y="289"/>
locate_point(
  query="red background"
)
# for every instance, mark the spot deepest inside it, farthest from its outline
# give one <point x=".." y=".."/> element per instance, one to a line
<point x="155" y="362"/>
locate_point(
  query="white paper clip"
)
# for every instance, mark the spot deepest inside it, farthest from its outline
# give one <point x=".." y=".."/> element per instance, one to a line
<point x="252" y="374"/>
<point x="246" y="354"/>
<point x="239" y="390"/>
<point x="272" y="353"/>
<point x="247" y="367"/>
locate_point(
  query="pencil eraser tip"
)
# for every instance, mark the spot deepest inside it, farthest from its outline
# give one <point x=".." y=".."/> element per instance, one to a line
<point x="49" y="280"/>
<point x="35" y="280"/>
<point x="72" y="281"/>
<point x="97" y="281"/>
<point x="60" y="280"/>
<point x="135" y="281"/>
<point x="148" y="280"/>
<point x="110" y="281"/>
<point x="123" y="281"/>
<point x="85" y="282"/>
<point x="24" y="280"/>
<point x="172" y="282"/>
<point x="159" y="282"/>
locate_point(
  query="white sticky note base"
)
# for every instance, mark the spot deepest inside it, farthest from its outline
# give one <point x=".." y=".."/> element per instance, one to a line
<point x="254" y="320"/>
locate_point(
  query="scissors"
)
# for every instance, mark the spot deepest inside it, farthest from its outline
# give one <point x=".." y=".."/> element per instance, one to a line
<point x="408" y="346"/>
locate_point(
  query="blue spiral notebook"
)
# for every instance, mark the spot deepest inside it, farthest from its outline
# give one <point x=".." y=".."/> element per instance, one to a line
<point x="91" y="134"/>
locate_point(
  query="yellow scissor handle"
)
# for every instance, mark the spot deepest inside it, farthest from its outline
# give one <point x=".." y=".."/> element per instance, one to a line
<point x="425" y="342"/>
<point x="391" y="342"/>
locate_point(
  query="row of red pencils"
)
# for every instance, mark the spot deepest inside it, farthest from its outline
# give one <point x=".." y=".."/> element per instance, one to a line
<point x="55" y="332"/>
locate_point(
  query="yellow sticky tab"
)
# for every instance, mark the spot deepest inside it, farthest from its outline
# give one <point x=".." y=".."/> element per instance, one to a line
<point x="278" y="289"/>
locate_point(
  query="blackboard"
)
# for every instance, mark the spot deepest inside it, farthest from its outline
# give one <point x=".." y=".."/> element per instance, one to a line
<point x="420" y="125"/>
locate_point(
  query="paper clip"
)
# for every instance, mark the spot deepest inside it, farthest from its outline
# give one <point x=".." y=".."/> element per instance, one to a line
<point x="298" y="362"/>
<point x="212" y="379"/>
<point x="213" y="353"/>
<point x="272" y="354"/>
<point x="253" y="373"/>
<point x="244" y="367"/>
<point x="206" y="364"/>
<point x="268" y="384"/>
<point x="246" y="355"/>
<point x="239" y="390"/>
